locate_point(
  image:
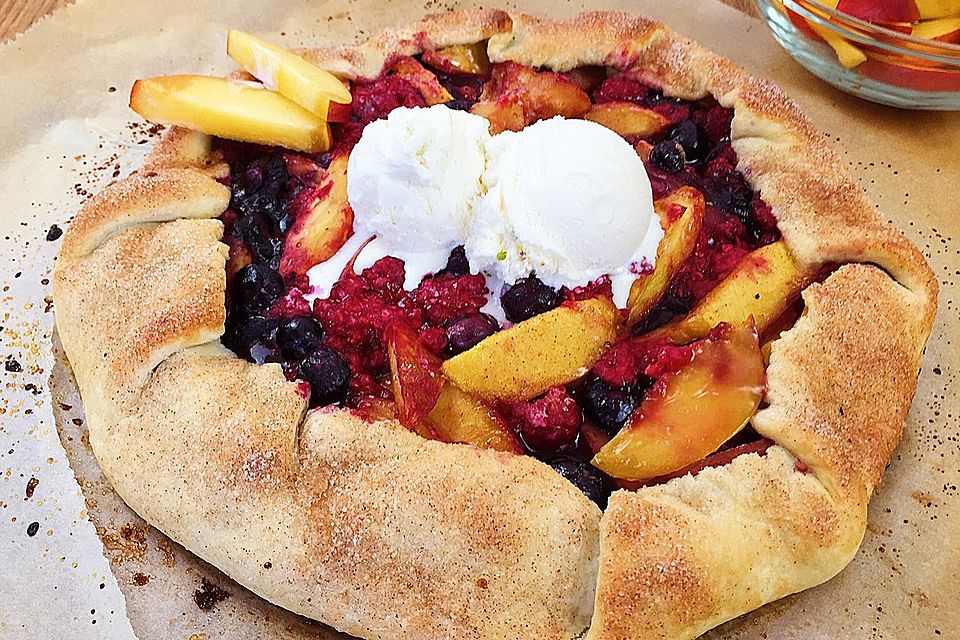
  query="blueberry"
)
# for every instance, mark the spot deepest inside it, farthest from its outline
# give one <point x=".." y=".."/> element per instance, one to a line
<point x="258" y="233"/>
<point x="256" y="287"/>
<point x="671" y="306"/>
<point x="254" y="329"/>
<point x="264" y="187"/>
<point x="299" y="337"/>
<point x="610" y="406"/>
<point x="328" y="374"/>
<point x="528" y="297"/>
<point x="685" y="133"/>
<point x="457" y="264"/>
<point x="584" y="476"/>
<point x="668" y="155"/>
<point x="457" y="104"/>
<point x="464" y="333"/>
<point x="735" y="203"/>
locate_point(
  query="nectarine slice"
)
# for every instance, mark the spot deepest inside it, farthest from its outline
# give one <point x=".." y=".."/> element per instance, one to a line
<point x="232" y="109"/>
<point x="942" y="29"/>
<point x="503" y="114"/>
<point x="628" y="119"/>
<point x="929" y="9"/>
<point x="460" y="59"/>
<point x="550" y="349"/>
<point x="287" y="73"/>
<point x="516" y="95"/>
<point x="319" y="231"/>
<point x="848" y="54"/>
<point x="762" y="285"/>
<point x="416" y="377"/>
<point x="681" y="215"/>
<point x="460" y="417"/>
<point x="885" y="11"/>
<point x="690" y="413"/>
<point x="422" y="80"/>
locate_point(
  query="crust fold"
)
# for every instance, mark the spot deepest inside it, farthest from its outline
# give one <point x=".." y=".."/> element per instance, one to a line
<point x="367" y="527"/>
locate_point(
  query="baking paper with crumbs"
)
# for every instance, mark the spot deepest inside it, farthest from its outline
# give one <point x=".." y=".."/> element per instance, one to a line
<point x="65" y="132"/>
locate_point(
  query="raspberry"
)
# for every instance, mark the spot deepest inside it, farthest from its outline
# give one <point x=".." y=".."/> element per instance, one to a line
<point x="549" y="422"/>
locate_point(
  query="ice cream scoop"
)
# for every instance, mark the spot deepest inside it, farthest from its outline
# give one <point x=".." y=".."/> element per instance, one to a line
<point x="568" y="200"/>
<point x="412" y="180"/>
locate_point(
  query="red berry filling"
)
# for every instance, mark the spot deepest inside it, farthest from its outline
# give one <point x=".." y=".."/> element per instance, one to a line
<point x="338" y="344"/>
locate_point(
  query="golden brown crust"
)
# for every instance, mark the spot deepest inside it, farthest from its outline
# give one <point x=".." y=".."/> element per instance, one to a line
<point x="381" y="534"/>
<point x="366" y="59"/>
<point x="149" y="196"/>
<point x="841" y="381"/>
<point x="144" y="294"/>
<point x="680" y="558"/>
<point x="367" y="526"/>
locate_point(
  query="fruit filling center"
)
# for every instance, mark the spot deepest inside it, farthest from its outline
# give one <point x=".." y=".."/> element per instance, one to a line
<point x="558" y="372"/>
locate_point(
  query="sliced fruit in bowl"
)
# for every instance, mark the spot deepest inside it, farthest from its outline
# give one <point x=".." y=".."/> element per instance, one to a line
<point x="690" y="413"/>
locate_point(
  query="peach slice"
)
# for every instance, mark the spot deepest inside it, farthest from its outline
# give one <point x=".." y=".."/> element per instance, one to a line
<point x="912" y="74"/>
<point x="319" y="231"/>
<point x="942" y="29"/>
<point x="848" y="54"/>
<point x="422" y="80"/>
<point x="550" y="349"/>
<point x="287" y="73"/>
<point x="587" y="78"/>
<point x="433" y="407"/>
<point x="461" y="417"/>
<point x="681" y="215"/>
<point x="643" y="149"/>
<point x="460" y="59"/>
<point x="885" y="11"/>
<point x="628" y="119"/>
<point x="232" y="109"/>
<point x="690" y="413"/>
<point x="515" y="90"/>
<point x="762" y="286"/>
<point x="504" y="115"/>
<point x="930" y="9"/>
<point x="416" y="377"/>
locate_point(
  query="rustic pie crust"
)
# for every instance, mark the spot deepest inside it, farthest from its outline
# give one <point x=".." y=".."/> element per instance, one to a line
<point x="382" y="534"/>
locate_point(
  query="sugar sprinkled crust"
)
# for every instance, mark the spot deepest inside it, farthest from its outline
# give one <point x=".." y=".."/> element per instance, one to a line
<point x="381" y="534"/>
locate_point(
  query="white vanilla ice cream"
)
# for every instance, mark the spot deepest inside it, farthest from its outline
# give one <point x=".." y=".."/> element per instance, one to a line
<point x="412" y="180"/>
<point x="568" y="200"/>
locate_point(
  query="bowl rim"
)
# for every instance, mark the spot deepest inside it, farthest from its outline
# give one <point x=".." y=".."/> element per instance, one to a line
<point x="859" y="30"/>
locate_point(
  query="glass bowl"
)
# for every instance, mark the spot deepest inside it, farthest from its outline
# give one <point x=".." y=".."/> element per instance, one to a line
<point x="878" y="63"/>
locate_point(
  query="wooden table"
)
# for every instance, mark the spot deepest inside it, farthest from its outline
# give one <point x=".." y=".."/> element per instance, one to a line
<point x="17" y="15"/>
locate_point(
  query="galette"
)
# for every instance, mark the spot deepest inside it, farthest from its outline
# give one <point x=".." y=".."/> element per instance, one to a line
<point x="493" y="326"/>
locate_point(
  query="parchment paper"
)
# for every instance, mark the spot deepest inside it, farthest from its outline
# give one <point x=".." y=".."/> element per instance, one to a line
<point x="92" y="569"/>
